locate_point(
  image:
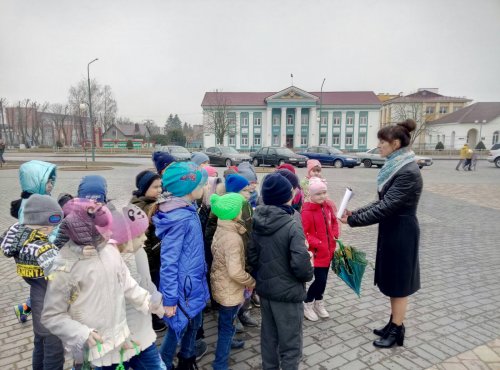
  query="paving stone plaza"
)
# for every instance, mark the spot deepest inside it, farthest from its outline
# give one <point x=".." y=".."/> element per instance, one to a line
<point x="453" y="322"/>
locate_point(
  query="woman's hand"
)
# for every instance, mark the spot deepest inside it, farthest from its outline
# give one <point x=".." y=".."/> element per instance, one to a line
<point x="346" y="214"/>
<point x="170" y="310"/>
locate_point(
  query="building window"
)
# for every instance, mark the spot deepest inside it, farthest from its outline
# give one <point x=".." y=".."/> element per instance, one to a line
<point x="363" y="120"/>
<point x="232" y="140"/>
<point x="443" y="109"/>
<point x="348" y="139"/>
<point x="350" y="120"/>
<point x="429" y="109"/>
<point x="244" y="140"/>
<point x="303" y="140"/>
<point x="362" y="140"/>
<point x="324" y="119"/>
<point x="244" y="121"/>
<point x="336" y="121"/>
<point x="304" y="120"/>
<point x="276" y="140"/>
<point x="336" y="140"/>
<point x="495" y="138"/>
<point x="231" y="118"/>
<point x="276" y="120"/>
<point x="256" y="140"/>
<point x="257" y="121"/>
<point x="289" y="120"/>
<point x="322" y="140"/>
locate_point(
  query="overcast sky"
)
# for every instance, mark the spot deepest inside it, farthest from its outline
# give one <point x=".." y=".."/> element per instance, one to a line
<point x="160" y="56"/>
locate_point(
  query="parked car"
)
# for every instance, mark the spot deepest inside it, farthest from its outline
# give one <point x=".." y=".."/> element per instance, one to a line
<point x="331" y="156"/>
<point x="276" y="156"/>
<point x="494" y="155"/>
<point x="372" y="158"/>
<point x="225" y="156"/>
<point x="180" y="153"/>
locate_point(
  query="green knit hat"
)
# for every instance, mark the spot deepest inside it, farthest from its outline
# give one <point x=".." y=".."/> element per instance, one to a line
<point x="228" y="206"/>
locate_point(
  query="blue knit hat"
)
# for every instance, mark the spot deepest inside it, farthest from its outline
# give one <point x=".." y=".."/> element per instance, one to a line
<point x="199" y="158"/>
<point x="276" y="190"/>
<point x="182" y="178"/>
<point x="93" y="187"/>
<point x="162" y="160"/>
<point x="235" y="183"/>
<point x="290" y="176"/>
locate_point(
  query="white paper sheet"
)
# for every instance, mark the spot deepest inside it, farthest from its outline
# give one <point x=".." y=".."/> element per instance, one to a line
<point x="343" y="206"/>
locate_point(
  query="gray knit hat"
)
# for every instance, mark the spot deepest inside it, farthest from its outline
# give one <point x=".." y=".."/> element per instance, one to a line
<point x="42" y="210"/>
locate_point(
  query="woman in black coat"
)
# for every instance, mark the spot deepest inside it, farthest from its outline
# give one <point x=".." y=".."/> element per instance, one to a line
<point x="397" y="272"/>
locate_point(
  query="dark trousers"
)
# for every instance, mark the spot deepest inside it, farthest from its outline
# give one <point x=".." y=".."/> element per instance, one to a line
<point x="318" y="286"/>
<point x="468" y="163"/>
<point x="48" y="351"/>
<point x="226" y="330"/>
<point x="281" y="334"/>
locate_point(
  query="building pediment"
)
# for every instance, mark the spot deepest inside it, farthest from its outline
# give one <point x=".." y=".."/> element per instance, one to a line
<point x="292" y="93"/>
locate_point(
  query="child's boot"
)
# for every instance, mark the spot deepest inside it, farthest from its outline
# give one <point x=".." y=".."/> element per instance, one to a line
<point x="309" y="313"/>
<point x="186" y="363"/>
<point x="319" y="308"/>
<point x="22" y="312"/>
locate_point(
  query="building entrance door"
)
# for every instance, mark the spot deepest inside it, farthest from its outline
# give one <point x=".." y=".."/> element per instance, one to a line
<point x="289" y="141"/>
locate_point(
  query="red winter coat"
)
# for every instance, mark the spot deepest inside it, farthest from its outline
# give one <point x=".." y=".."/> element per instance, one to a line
<point x="321" y="229"/>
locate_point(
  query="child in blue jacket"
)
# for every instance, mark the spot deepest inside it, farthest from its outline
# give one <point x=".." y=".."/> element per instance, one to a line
<point x="183" y="283"/>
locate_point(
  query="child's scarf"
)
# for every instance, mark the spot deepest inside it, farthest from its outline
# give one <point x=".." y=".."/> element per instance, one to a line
<point x="395" y="161"/>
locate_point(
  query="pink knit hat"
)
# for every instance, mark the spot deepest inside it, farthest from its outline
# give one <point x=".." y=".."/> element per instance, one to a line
<point x="316" y="185"/>
<point x="128" y="223"/>
<point x="212" y="172"/>
<point x="311" y="163"/>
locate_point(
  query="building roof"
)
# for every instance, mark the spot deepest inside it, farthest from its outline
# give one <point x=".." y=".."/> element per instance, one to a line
<point x="259" y="98"/>
<point x="426" y="96"/>
<point x="475" y="112"/>
<point x="130" y="129"/>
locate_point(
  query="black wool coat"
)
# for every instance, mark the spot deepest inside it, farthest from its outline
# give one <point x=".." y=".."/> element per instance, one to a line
<point x="397" y="271"/>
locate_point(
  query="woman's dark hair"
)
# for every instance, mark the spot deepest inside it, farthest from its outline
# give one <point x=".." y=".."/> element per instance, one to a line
<point x="401" y="131"/>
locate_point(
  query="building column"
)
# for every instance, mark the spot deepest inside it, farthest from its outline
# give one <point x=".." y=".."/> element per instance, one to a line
<point x="355" y="128"/>
<point x="343" y="128"/>
<point x="330" y="129"/>
<point x="283" y="126"/>
<point x="297" y="128"/>
<point x="267" y="128"/>
<point x="250" y="129"/>
<point x="313" y="128"/>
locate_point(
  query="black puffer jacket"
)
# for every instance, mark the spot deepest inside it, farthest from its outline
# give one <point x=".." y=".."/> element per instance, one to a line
<point x="397" y="271"/>
<point x="278" y="255"/>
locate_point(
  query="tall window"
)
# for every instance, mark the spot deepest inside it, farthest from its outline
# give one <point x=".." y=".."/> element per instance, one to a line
<point x="244" y="140"/>
<point x="276" y="140"/>
<point x="256" y="140"/>
<point x="350" y="119"/>
<point x="495" y="137"/>
<point x="348" y="139"/>
<point x="429" y="109"/>
<point x="257" y="121"/>
<point x="443" y="109"/>
<point x="363" y="120"/>
<point x="289" y="120"/>
<point x="336" y="139"/>
<point x="362" y="140"/>
<point x="324" y="119"/>
<point x="304" y="120"/>
<point x="276" y="120"/>
<point x="322" y="140"/>
<point x="244" y="121"/>
<point x="232" y="140"/>
<point x="336" y="120"/>
<point x="303" y="140"/>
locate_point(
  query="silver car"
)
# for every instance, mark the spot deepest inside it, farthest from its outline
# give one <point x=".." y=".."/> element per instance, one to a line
<point x="372" y="158"/>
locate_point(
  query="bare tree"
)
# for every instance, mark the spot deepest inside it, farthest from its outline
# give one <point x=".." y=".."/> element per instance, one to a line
<point x="414" y="111"/>
<point x="3" y="131"/>
<point x="217" y="119"/>
<point x="58" y="118"/>
<point x="109" y="107"/>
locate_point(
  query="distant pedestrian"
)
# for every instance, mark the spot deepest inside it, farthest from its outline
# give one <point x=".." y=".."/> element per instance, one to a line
<point x="463" y="156"/>
<point x="468" y="160"/>
<point x="2" y="150"/>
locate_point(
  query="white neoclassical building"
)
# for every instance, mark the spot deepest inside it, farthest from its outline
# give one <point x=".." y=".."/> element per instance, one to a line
<point x="474" y="123"/>
<point x="297" y="119"/>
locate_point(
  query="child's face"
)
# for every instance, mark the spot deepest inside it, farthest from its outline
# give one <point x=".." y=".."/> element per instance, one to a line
<point x="245" y="192"/>
<point x="154" y="190"/>
<point x="315" y="172"/>
<point x="204" y="164"/>
<point x="320" y="197"/>
<point x="197" y="193"/>
<point x="138" y="242"/>
<point x="49" y="186"/>
<point x="252" y="186"/>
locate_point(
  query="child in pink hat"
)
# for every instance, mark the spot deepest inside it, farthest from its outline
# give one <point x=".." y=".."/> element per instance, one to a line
<point x="313" y="170"/>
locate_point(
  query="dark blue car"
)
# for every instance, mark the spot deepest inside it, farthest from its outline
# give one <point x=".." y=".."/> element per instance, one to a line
<point x="331" y="156"/>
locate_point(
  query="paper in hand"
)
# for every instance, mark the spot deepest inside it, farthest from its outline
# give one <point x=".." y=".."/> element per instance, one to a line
<point x="343" y="206"/>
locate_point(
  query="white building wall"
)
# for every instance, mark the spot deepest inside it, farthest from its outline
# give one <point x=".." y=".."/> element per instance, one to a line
<point x="373" y="127"/>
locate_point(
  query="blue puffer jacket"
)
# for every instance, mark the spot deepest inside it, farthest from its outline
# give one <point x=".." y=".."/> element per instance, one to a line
<point x="183" y="269"/>
<point x="33" y="176"/>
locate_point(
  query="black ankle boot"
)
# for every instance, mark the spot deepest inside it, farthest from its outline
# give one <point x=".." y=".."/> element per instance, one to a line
<point x="381" y="332"/>
<point x="394" y="335"/>
<point x="186" y="363"/>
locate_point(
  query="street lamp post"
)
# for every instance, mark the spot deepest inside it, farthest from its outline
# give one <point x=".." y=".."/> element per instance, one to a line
<point x="83" y="107"/>
<point x="320" y="107"/>
<point x="90" y="109"/>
